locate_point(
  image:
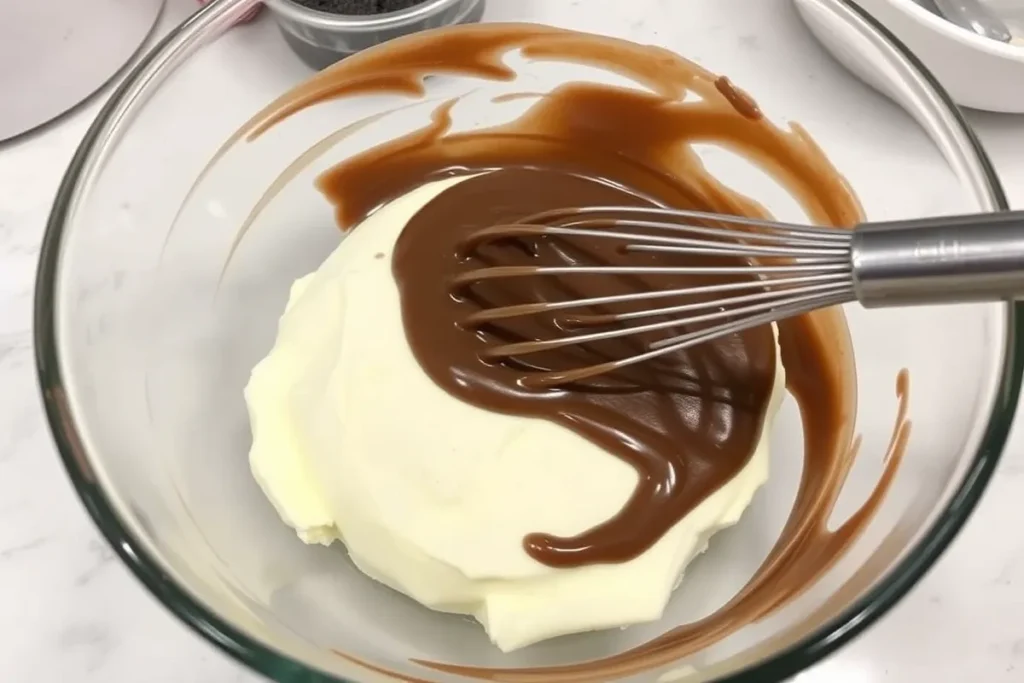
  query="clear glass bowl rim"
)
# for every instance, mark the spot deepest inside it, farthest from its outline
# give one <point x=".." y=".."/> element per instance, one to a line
<point x="277" y="666"/>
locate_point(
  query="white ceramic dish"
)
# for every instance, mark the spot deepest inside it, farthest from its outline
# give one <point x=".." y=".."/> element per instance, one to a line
<point x="978" y="72"/>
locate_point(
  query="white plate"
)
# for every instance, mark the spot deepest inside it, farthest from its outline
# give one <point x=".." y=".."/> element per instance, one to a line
<point x="978" y="72"/>
<point x="53" y="55"/>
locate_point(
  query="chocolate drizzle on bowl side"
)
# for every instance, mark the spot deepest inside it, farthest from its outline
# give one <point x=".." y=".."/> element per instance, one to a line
<point x="563" y="151"/>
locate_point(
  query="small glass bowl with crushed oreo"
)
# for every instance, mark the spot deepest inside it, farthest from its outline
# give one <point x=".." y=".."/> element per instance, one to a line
<point x="323" y="31"/>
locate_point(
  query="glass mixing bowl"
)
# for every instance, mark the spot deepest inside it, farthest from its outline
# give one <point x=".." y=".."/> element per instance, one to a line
<point x="145" y="341"/>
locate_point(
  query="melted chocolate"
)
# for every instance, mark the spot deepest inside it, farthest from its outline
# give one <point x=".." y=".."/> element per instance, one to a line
<point x="687" y="423"/>
<point x="563" y="151"/>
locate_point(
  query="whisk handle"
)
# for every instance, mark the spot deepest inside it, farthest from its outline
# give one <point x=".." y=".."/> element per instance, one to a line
<point x="953" y="259"/>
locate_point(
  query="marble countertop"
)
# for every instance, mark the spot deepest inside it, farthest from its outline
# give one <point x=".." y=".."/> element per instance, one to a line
<point x="70" y="611"/>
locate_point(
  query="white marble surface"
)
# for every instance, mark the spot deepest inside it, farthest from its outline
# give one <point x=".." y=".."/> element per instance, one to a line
<point x="70" y="612"/>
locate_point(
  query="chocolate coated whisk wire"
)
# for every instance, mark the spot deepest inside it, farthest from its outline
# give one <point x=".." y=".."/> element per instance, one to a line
<point x="776" y="271"/>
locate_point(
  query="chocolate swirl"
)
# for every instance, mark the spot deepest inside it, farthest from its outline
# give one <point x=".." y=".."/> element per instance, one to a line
<point x="687" y="423"/>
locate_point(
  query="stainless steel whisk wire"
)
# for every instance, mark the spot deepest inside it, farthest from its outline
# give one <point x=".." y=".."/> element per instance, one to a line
<point x="926" y="261"/>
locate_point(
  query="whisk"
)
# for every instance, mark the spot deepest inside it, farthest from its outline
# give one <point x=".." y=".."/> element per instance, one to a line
<point x="777" y="270"/>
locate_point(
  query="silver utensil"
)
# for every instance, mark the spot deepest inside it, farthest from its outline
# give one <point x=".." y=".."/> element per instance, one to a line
<point x="784" y="270"/>
<point x="974" y="16"/>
